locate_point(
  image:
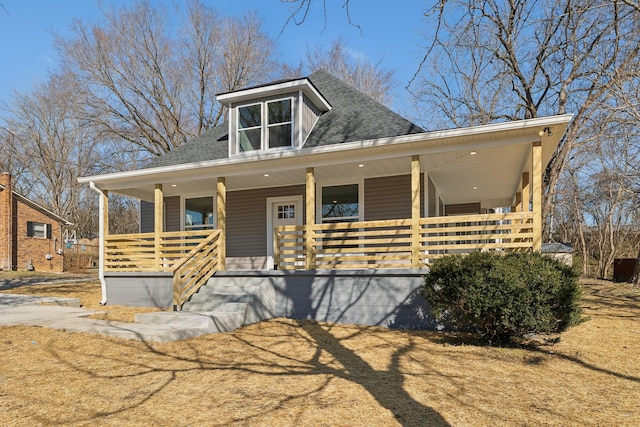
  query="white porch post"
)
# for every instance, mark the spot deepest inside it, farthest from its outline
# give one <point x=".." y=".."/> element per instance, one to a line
<point x="310" y="219"/>
<point x="415" y="211"/>
<point x="221" y="203"/>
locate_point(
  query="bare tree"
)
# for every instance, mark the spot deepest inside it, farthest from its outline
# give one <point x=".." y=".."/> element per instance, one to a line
<point x="12" y="158"/>
<point x="493" y="60"/>
<point x="57" y="144"/>
<point x="153" y="89"/>
<point x="300" y="11"/>
<point x="369" y="78"/>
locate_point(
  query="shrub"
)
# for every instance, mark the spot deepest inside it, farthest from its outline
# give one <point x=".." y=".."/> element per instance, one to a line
<point x="501" y="296"/>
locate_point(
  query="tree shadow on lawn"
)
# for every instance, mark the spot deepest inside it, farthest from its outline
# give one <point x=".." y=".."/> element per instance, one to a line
<point x="540" y="348"/>
<point x="392" y="395"/>
<point x="623" y="298"/>
<point x="263" y="358"/>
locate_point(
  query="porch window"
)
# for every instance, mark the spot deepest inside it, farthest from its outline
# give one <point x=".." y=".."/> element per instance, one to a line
<point x="198" y="213"/>
<point x="340" y="203"/>
<point x="266" y="125"/>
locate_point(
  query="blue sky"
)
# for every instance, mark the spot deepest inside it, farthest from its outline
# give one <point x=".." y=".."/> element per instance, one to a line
<point x="391" y="33"/>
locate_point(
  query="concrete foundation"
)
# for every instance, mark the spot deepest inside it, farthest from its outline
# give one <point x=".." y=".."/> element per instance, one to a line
<point x="152" y="289"/>
<point x="388" y="297"/>
<point x="382" y="297"/>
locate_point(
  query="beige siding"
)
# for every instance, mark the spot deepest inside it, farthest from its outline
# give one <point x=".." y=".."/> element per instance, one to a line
<point x="389" y="198"/>
<point x="172" y="220"/>
<point x="432" y="199"/>
<point x="146" y="216"/>
<point x="463" y="209"/>
<point x="310" y="115"/>
<point x="247" y="219"/>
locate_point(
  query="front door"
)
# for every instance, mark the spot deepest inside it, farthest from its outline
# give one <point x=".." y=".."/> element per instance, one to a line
<point x="281" y="211"/>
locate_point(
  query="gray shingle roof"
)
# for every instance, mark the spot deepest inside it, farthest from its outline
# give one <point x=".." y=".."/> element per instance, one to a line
<point x="549" y="248"/>
<point x="354" y="117"/>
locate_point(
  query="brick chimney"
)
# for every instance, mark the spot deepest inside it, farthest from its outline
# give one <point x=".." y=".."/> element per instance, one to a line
<point x="6" y="234"/>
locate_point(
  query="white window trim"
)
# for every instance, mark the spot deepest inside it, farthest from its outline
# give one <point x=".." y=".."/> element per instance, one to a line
<point x="183" y="209"/>
<point x="330" y="183"/>
<point x="261" y="127"/>
<point x="264" y="125"/>
<point x="265" y="141"/>
<point x="45" y="228"/>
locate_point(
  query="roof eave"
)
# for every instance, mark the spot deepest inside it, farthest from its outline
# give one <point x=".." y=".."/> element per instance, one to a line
<point x="433" y="139"/>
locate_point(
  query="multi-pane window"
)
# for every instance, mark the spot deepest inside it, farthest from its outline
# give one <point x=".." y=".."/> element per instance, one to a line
<point x="38" y="229"/>
<point x="265" y="125"/>
<point x="286" y="211"/>
<point x="249" y="127"/>
<point x="279" y="123"/>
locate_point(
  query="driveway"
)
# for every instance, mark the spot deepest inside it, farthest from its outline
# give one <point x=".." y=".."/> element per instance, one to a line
<point x="12" y="280"/>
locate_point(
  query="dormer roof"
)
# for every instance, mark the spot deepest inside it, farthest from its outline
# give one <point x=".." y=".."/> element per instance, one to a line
<point x="276" y="88"/>
<point x="353" y="116"/>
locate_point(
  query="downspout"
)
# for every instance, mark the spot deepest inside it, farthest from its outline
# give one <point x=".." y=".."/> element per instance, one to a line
<point x="101" y="243"/>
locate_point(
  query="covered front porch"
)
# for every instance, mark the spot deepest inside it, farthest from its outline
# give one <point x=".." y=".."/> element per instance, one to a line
<point x="466" y="196"/>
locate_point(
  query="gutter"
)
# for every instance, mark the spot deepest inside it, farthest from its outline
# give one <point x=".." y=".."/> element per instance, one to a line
<point x="434" y="139"/>
<point x="103" y="283"/>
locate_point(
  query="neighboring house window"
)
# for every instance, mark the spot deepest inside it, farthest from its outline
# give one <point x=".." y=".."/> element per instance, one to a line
<point x="340" y="203"/>
<point x="198" y="213"/>
<point x="38" y="229"/>
<point x="266" y="125"/>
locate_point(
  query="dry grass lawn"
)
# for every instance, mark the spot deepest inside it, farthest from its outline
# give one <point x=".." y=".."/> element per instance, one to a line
<point x="288" y="373"/>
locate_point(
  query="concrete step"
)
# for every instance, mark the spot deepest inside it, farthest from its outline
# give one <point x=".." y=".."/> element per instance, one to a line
<point x="236" y="281"/>
<point x="205" y="321"/>
<point x="213" y="302"/>
<point x="229" y="288"/>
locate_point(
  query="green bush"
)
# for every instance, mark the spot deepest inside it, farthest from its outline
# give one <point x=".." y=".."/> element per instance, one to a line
<point x="503" y="295"/>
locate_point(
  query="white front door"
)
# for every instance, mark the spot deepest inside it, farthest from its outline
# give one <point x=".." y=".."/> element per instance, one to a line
<point x="281" y="211"/>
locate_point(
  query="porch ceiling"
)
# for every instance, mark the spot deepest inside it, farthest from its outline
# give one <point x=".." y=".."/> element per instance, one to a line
<point x="502" y="153"/>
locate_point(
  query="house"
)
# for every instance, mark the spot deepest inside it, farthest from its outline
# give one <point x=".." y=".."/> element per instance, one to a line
<point x="337" y="202"/>
<point x="31" y="236"/>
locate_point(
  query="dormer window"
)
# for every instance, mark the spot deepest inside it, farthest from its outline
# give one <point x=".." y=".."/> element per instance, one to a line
<point x="273" y="117"/>
<point x="278" y="132"/>
<point x="279" y="123"/>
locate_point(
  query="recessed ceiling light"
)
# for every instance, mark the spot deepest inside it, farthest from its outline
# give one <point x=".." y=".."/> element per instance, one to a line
<point x="475" y="188"/>
<point x="360" y="165"/>
<point x="266" y="174"/>
<point x="174" y="185"/>
<point x="473" y="153"/>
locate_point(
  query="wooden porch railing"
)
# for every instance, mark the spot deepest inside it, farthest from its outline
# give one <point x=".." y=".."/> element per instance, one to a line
<point x="137" y="252"/>
<point x="191" y="256"/>
<point x="195" y="268"/>
<point x="388" y="243"/>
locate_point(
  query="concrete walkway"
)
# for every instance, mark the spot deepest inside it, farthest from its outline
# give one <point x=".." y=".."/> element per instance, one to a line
<point x="66" y="314"/>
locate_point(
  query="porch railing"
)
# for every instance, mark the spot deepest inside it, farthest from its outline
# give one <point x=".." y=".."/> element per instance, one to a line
<point x="392" y="243"/>
<point x="195" y="268"/>
<point x="191" y="256"/>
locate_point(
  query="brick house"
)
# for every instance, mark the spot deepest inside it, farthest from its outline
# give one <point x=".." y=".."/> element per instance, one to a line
<point x="31" y="237"/>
